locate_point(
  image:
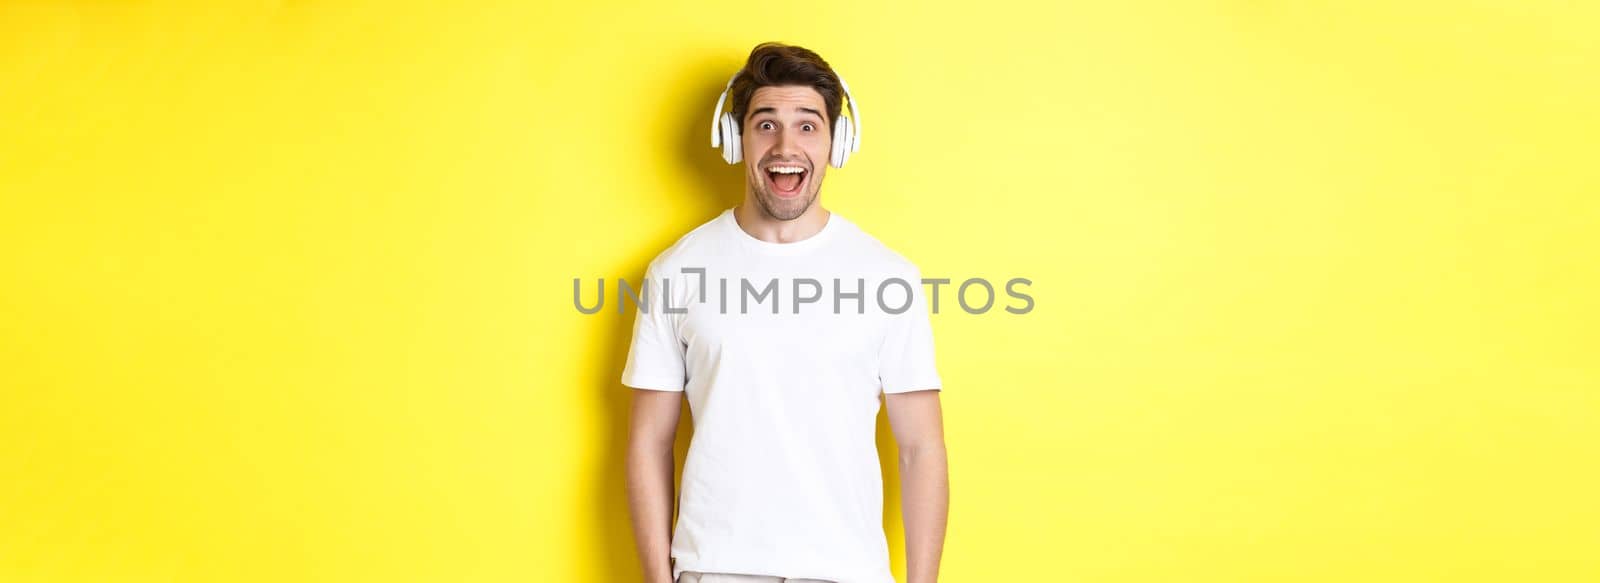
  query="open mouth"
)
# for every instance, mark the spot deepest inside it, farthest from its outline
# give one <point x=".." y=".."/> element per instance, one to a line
<point x="786" y="180"/>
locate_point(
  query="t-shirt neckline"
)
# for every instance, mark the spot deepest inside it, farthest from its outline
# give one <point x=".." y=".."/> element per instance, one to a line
<point x="829" y="226"/>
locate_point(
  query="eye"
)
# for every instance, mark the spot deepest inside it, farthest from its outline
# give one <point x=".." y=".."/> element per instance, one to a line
<point x="808" y="127"/>
<point x="766" y="125"/>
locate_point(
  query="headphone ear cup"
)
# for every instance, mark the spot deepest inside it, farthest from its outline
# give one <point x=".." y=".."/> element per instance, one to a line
<point x="842" y="133"/>
<point x="722" y="136"/>
<point x="732" y="148"/>
<point x="722" y="128"/>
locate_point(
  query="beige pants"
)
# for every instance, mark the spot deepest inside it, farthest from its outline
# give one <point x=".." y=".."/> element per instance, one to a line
<point x="694" y="577"/>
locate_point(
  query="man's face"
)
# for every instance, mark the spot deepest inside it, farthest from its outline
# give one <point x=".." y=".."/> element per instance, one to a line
<point x="786" y="146"/>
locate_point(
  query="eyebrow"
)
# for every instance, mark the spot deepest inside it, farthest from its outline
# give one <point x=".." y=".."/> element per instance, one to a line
<point x="770" y="109"/>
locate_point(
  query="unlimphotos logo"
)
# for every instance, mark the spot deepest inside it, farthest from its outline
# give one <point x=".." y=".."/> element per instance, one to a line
<point x="893" y="295"/>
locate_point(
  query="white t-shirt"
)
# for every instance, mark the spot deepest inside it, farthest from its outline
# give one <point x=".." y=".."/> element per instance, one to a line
<point x="782" y="476"/>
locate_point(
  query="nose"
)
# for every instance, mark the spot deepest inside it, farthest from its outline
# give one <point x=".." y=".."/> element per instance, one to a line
<point x="786" y="144"/>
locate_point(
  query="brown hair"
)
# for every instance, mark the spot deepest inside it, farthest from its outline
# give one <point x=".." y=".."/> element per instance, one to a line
<point x="773" y="64"/>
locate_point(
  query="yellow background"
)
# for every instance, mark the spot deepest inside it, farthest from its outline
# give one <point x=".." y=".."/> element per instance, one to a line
<point x="285" y="287"/>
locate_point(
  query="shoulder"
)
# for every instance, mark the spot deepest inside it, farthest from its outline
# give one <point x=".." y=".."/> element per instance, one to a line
<point x="878" y="255"/>
<point x="691" y="249"/>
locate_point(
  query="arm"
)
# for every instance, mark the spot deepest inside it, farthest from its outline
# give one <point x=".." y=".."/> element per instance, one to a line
<point x="652" y="428"/>
<point x="918" y="426"/>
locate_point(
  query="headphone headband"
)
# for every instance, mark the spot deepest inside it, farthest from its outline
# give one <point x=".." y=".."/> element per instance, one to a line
<point x="855" y="115"/>
<point x="716" y="114"/>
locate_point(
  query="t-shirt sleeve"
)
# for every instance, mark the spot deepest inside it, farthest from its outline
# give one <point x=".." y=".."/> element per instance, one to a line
<point x="906" y="360"/>
<point x="656" y="355"/>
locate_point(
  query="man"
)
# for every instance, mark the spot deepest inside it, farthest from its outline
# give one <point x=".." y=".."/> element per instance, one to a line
<point x="783" y="380"/>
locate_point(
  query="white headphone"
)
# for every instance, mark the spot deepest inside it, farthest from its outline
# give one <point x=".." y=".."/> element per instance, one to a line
<point x="846" y="136"/>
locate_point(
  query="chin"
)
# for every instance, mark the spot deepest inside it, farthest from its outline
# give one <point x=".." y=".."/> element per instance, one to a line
<point x="785" y="209"/>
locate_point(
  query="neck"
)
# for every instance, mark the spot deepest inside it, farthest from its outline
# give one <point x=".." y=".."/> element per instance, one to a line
<point x="753" y="220"/>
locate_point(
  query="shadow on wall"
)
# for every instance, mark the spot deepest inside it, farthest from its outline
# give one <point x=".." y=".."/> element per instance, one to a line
<point x="719" y="186"/>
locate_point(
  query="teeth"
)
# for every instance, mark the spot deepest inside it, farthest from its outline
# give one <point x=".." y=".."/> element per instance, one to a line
<point x="786" y="169"/>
